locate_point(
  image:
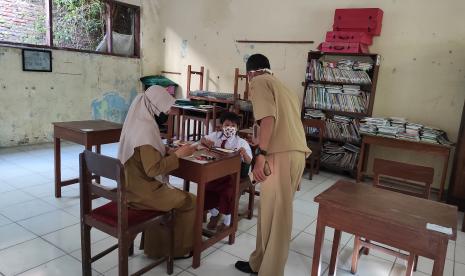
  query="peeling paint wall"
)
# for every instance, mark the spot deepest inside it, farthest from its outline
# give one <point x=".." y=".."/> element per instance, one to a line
<point x="422" y="45"/>
<point x="81" y="87"/>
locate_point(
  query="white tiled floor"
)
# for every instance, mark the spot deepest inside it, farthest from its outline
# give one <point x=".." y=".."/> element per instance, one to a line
<point x="40" y="235"/>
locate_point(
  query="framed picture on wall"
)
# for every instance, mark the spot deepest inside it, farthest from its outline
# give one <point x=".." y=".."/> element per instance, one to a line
<point x="37" y="60"/>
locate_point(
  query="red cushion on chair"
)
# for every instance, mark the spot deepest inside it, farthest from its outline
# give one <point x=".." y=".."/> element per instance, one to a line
<point x="108" y="214"/>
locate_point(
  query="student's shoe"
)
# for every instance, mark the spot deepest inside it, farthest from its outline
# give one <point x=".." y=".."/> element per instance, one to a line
<point x="213" y="223"/>
<point x="244" y="267"/>
<point x="221" y="227"/>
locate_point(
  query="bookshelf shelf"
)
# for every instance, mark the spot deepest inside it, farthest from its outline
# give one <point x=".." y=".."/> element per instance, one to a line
<point x="369" y="88"/>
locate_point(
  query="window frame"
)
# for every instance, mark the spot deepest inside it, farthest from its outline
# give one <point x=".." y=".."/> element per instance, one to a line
<point x="109" y="27"/>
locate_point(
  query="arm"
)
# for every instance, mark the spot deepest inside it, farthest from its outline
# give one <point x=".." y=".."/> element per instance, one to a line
<point x="154" y="164"/>
<point x="266" y="129"/>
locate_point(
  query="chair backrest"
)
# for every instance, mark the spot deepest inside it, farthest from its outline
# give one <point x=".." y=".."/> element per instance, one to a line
<point x="92" y="164"/>
<point x="404" y="172"/>
<point x="316" y="124"/>
<point x="189" y="78"/>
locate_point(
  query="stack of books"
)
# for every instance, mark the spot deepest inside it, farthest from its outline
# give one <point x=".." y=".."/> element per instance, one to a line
<point x="326" y="72"/>
<point x="431" y="135"/>
<point x="343" y="129"/>
<point x="314" y="114"/>
<point x="364" y="66"/>
<point x="348" y="98"/>
<point x="344" y="157"/>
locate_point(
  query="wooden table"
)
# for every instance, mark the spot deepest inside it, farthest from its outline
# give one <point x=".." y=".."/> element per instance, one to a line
<point x="86" y="133"/>
<point x="383" y="216"/>
<point x="440" y="150"/>
<point x="226" y="164"/>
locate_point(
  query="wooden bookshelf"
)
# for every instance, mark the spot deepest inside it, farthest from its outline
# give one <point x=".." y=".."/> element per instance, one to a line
<point x="369" y="88"/>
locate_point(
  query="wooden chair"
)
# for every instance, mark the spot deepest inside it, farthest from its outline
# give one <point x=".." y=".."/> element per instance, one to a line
<point x="410" y="175"/>
<point x="242" y="106"/>
<point x="314" y="143"/>
<point x="115" y="218"/>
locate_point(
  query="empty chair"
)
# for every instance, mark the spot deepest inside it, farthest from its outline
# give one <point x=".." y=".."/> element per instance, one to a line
<point x="315" y="143"/>
<point x="115" y="218"/>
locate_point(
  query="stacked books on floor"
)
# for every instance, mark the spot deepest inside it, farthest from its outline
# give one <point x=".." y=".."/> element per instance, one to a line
<point x="347" y="98"/>
<point x="400" y="128"/>
<point x="339" y="72"/>
<point x="335" y="155"/>
<point x="343" y="129"/>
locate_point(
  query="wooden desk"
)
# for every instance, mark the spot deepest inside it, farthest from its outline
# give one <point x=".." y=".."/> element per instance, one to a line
<point x="434" y="149"/>
<point x="86" y="133"/>
<point x="383" y="216"/>
<point x="189" y="170"/>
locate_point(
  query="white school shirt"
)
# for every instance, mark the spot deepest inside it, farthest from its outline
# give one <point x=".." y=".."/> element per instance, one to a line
<point x="232" y="143"/>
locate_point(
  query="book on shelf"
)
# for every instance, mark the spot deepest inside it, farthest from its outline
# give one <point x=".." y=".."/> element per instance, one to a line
<point x="340" y="72"/>
<point x="343" y="129"/>
<point x="344" y="157"/>
<point x="348" y="98"/>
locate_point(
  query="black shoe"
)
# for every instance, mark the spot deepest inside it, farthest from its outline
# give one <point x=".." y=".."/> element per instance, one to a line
<point x="244" y="267"/>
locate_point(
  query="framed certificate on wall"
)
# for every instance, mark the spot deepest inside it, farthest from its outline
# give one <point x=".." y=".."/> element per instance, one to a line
<point x="37" y="60"/>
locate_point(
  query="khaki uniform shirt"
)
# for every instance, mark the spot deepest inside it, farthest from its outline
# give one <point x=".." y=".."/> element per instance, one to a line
<point x="271" y="98"/>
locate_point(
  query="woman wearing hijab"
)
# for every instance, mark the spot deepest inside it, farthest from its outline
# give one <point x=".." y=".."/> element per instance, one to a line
<point x="146" y="163"/>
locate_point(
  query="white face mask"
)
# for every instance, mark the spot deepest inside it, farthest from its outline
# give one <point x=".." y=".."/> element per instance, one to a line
<point x="229" y="131"/>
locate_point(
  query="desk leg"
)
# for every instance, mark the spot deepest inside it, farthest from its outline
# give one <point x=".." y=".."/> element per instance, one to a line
<point x="186" y="185"/>
<point x="183" y="129"/>
<point x="57" y="155"/>
<point x="444" y="174"/>
<point x="98" y="150"/>
<point x="319" y="239"/>
<point x="334" y="252"/>
<point x="207" y="124"/>
<point x="440" y="259"/>
<point x="198" y="225"/>
<point x="410" y="262"/>
<point x="234" y="215"/>
<point x="360" y="163"/>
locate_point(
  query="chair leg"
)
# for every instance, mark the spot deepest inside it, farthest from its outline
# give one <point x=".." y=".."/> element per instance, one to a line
<point x="415" y="263"/>
<point x="312" y="165"/>
<point x="123" y="256"/>
<point x="86" y="250"/>
<point x="251" y="201"/>
<point x="366" y="250"/>
<point x="142" y="240"/>
<point x="355" y="255"/>
<point x="318" y="166"/>
<point x="410" y="264"/>
<point x="131" y="249"/>
<point x="170" y="257"/>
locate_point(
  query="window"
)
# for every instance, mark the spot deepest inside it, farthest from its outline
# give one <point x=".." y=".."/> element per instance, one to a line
<point x="23" y="21"/>
<point x="103" y="26"/>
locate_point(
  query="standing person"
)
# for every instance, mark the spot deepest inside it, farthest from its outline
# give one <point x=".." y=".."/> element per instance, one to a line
<point x="146" y="163"/>
<point x="219" y="194"/>
<point x="282" y="144"/>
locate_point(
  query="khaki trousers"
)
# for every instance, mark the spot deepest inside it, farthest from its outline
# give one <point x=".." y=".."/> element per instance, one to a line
<point x="275" y="213"/>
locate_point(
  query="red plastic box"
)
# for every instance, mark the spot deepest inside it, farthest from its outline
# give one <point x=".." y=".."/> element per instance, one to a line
<point x="358" y="37"/>
<point x="367" y="20"/>
<point x="343" y="47"/>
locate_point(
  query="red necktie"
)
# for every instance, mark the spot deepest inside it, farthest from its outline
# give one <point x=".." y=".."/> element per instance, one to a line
<point x="223" y="143"/>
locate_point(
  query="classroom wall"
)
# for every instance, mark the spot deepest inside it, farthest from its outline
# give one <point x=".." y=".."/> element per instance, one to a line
<point x="82" y="86"/>
<point x="422" y="45"/>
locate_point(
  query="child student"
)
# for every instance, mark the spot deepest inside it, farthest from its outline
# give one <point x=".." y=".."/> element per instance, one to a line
<point x="219" y="193"/>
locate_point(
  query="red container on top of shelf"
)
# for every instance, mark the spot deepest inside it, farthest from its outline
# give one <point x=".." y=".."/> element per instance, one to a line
<point x="343" y="47"/>
<point x="342" y="36"/>
<point x="364" y="20"/>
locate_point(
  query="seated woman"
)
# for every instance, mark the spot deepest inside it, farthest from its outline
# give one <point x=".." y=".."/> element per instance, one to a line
<point x="146" y="163"/>
<point x="219" y="194"/>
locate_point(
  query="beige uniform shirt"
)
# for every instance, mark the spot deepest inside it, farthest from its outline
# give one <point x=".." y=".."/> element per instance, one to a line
<point x="271" y="98"/>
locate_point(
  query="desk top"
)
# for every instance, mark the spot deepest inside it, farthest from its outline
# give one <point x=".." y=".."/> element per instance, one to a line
<point x="89" y="126"/>
<point x="404" y="141"/>
<point x="406" y="211"/>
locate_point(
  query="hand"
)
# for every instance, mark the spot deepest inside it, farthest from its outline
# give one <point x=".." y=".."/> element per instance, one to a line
<point x="242" y="152"/>
<point x="251" y="140"/>
<point x="209" y="144"/>
<point x="184" y="151"/>
<point x="259" y="169"/>
<point x="169" y="150"/>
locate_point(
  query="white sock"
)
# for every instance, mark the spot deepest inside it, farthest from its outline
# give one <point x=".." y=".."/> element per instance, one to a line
<point x="227" y="220"/>
<point x="214" y="212"/>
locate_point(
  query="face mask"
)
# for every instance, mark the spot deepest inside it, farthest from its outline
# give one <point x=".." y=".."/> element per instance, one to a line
<point x="229" y="131"/>
<point x="161" y="118"/>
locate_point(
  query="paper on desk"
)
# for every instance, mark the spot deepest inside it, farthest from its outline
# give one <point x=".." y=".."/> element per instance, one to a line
<point x="439" y="228"/>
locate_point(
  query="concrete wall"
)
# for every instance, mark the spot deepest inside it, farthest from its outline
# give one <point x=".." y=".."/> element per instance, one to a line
<point x="422" y="45"/>
<point x="82" y="86"/>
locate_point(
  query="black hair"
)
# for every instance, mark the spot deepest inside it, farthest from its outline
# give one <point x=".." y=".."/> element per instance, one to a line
<point x="230" y="116"/>
<point x="257" y="62"/>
